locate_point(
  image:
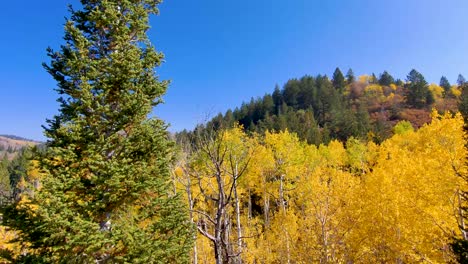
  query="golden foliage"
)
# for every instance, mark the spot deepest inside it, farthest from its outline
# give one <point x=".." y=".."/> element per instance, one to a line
<point x="363" y="203"/>
<point x="436" y="90"/>
<point x="455" y="90"/>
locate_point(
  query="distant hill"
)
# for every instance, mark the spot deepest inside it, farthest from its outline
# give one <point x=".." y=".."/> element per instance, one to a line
<point x="10" y="145"/>
<point x="17" y="138"/>
<point x="319" y="109"/>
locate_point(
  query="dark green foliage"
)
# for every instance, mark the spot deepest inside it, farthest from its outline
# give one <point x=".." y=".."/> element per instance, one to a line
<point x="338" y="79"/>
<point x="363" y="122"/>
<point x="461" y="80"/>
<point x="444" y="83"/>
<point x="343" y="123"/>
<point x="291" y="93"/>
<point x="350" y="78"/>
<point x="5" y="188"/>
<point x="460" y="249"/>
<point x="277" y="98"/>
<point x="418" y="94"/>
<point x="399" y="82"/>
<point x="386" y="79"/>
<point x="463" y="104"/>
<point x="318" y="112"/>
<point x="373" y="79"/>
<point x="105" y="193"/>
<point x="309" y="106"/>
<point x="18" y="171"/>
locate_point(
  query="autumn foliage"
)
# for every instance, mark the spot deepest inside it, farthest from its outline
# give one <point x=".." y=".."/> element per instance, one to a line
<point x="350" y="202"/>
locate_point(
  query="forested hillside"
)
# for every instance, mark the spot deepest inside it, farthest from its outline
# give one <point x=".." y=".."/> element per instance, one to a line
<point x="319" y="109"/>
<point x="347" y="169"/>
<point x="10" y="145"/>
<point x="272" y="198"/>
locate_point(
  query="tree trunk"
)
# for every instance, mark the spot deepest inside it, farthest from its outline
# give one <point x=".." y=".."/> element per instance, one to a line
<point x="239" y="227"/>
<point x="191" y="207"/>
<point x="220" y="226"/>
<point x="461" y="216"/>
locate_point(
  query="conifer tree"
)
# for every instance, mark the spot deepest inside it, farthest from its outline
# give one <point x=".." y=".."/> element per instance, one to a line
<point x="350" y="78"/>
<point x="386" y="79"/>
<point x="418" y="94"/>
<point x="338" y="79"/>
<point x="399" y="82"/>
<point x="444" y="83"/>
<point x="17" y="171"/>
<point x="461" y="80"/>
<point x="105" y="193"/>
<point x="277" y="99"/>
<point x="5" y="190"/>
<point x="373" y="79"/>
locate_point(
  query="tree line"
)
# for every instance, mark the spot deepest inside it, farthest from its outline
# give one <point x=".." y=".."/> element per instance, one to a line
<point x="320" y="109"/>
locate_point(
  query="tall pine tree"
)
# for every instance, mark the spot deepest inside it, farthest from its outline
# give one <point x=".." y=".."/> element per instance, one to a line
<point x="105" y="194"/>
<point x="418" y="94"/>
<point x="338" y="79"/>
<point x="350" y="78"/>
<point x="461" y="80"/>
<point x="444" y="83"/>
<point x="386" y="79"/>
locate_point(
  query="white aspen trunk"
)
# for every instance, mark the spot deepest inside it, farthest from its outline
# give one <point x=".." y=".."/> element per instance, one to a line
<point x="266" y="204"/>
<point x="239" y="226"/>
<point x="219" y="249"/>
<point x="266" y="210"/>
<point x="281" y="195"/>
<point x="461" y="217"/>
<point x="191" y="207"/>
<point x="283" y="207"/>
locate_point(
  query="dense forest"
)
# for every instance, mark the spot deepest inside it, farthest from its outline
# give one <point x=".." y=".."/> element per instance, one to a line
<point x="344" y="170"/>
<point x="318" y="109"/>
<point x="273" y="198"/>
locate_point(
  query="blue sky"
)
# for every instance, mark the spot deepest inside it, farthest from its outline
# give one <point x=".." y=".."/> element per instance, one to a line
<point x="220" y="53"/>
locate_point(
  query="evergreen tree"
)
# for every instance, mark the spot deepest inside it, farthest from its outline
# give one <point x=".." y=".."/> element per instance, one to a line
<point x="463" y="105"/>
<point x="373" y="79"/>
<point x="461" y="80"/>
<point x="444" y="83"/>
<point x="399" y="82"/>
<point x="106" y="194"/>
<point x="17" y="171"/>
<point x="277" y="98"/>
<point x="229" y="118"/>
<point x="386" y="79"/>
<point x="338" y="79"/>
<point x="268" y="105"/>
<point x="291" y="93"/>
<point x="307" y="93"/>
<point x="363" y="121"/>
<point x="418" y="94"/>
<point x="5" y="189"/>
<point x="350" y="78"/>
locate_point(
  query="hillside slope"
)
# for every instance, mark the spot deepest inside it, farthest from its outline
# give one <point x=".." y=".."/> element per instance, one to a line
<point x="319" y="109"/>
<point x="10" y="145"/>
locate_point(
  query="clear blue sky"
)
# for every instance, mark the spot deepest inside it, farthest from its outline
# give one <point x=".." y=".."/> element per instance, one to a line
<point x="220" y="53"/>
